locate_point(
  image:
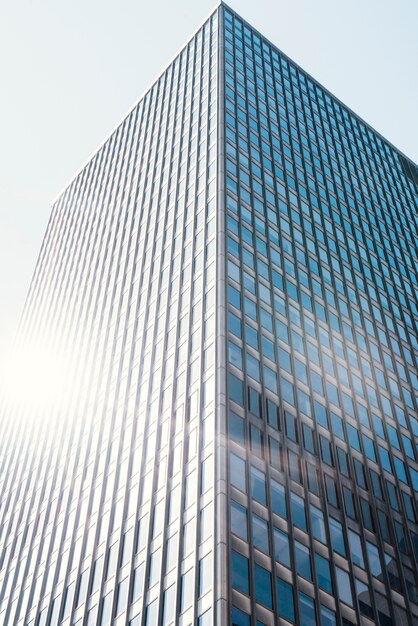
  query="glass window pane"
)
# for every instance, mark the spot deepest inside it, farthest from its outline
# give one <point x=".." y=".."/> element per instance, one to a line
<point x="281" y="547"/>
<point x="307" y="610"/>
<point x="285" y="600"/>
<point x="239" y="570"/>
<point x="262" y="579"/>
<point x="344" y="587"/>
<point x="323" y="573"/>
<point x="239" y="520"/>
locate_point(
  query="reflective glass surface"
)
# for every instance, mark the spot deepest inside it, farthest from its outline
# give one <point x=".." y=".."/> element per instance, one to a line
<point x="322" y="280"/>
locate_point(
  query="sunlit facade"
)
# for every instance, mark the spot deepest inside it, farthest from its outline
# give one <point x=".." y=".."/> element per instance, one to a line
<point x="214" y="411"/>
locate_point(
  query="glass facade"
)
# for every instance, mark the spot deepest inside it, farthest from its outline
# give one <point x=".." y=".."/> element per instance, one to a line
<point x="107" y="507"/>
<point x="224" y="314"/>
<point x="321" y="252"/>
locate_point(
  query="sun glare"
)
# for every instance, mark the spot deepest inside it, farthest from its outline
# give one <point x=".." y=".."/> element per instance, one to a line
<point x="36" y="379"/>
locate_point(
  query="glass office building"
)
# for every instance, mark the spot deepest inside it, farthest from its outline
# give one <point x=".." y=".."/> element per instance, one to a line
<point x="221" y="335"/>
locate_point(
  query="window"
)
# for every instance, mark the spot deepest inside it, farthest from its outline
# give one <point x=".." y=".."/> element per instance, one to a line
<point x="308" y="439"/>
<point x="155" y="567"/>
<point x="239" y="572"/>
<point x="303" y="561"/>
<point x="258" y="485"/>
<point x="323" y="573"/>
<point x="68" y="601"/>
<point x="254" y="402"/>
<point x="106" y="614"/>
<point x="239" y="520"/>
<point x="363" y="597"/>
<point x="260" y="534"/>
<point x="332" y="497"/>
<point x="111" y="560"/>
<point x="281" y="547"/>
<point x="349" y="503"/>
<point x="206" y="522"/>
<point x="122" y="597"/>
<point x="236" y="389"/>
<point x="356" y="550"/>
<point x="307" y="610"/>
<point x="317" y="524"/>
<point x="344" y="587"/>
<point x="127" y="545"/>
<point x="262" y="579"/>
<point x="205" y="574"/>
<point x="291" y="430"/>
<point x="206" y="619"/>
<point x="238" y="471"/>
<point x="82" y="588"/>
<point x="234" y="325"/>
<point x="138" y="582"/>
<point x="239" y="618"/>
<point x="187" y="589"/>
<point x="151" y="614"/>
<point x="337" y="536"/>
<point x="298" y="511"/>
<point x="236" y="428"/>
<point x="278" y="499"/>
<point x="374" y="559"/>
<point x="312" y="475"/>
<point x="328" y="617"/>
<point x="235" y="354"/>
<point x="206" y="480"/>
<point x="285" y="600"/>
<point x="97" y="574"/>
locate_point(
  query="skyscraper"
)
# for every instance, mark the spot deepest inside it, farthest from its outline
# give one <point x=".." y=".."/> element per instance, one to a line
<point x="215" y="417"/>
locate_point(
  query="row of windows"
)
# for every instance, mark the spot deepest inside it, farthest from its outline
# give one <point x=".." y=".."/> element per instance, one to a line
<point x="353" y="206"/>
<point x="129" y="259"/>
<point x="322" y="327"/>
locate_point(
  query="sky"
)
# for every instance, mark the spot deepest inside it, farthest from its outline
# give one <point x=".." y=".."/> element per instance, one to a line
<point x="70" y="71"/>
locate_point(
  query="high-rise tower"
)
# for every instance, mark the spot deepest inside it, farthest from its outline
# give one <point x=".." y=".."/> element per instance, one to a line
<point x="215" y="420"/>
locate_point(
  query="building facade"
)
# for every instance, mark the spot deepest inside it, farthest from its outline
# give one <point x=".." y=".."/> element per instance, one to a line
<point x="226" y="306"/>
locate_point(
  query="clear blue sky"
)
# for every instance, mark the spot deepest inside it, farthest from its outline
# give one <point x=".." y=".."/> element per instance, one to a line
<point x="71" y="70"/>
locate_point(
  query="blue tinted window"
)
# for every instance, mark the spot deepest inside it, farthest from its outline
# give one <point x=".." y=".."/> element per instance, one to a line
<point x="285" y="600"/>
<point x="303" y="560"/>
<point x="374" y="559"/>
<point x="337" y="536"/>
<point x="251" y="336"/>
<point x="239" y="572"/>
<point x="344" y="587"/>
<point x="298" y="511"/>
<point x="281" y="547"/>
<point x="236" y="389"/>
<point x="260" y="534"/>
<point x="234" y="324"/>
<point x="328" y="617"/>
<point x="307" y="610"/>
<point x="239" y="618"/>
<point x="258" y="485"/>
<point x="262" y="580"/>
<point x="317" y="524"/>
<point x="234" y="296"/>
<point x="238" y="472"/>
<point x="236" y="428"/>
<point x="323" y="573"/>
<point x="239" y="520"/>
<point x="356" y="549"/>
<point x="278" y="499"/>
<point x="234" y="354"/>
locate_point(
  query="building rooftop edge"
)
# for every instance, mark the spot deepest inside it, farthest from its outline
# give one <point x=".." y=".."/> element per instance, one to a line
<point x="221" y="3"/>
<point x="138" y="100"/>
<point x="316" y="81"/>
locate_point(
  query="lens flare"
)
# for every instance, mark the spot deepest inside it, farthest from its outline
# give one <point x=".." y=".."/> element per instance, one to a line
<point x="36" y="379"/>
